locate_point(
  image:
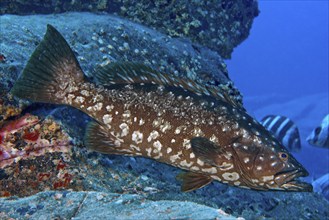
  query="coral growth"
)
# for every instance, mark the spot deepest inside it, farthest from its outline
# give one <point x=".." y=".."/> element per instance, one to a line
<point x="7" y="111"/>
<point x="27" y="137"/>
<point x="34" y="155"/>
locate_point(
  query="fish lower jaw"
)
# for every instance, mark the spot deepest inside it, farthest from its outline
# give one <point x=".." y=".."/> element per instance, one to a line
<point x="297" y="185"/>
<point x="289" y="181"/>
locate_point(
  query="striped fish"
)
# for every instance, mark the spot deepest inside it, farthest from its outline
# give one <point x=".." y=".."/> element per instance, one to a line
<point x="321" y="185"/>
<point x="320" y="135"/>
<point x="284" y="129"/>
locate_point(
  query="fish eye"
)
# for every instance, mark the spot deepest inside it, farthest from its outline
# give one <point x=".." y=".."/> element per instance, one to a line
<point x="283" y="156"/>
<point x="317" y="130"/>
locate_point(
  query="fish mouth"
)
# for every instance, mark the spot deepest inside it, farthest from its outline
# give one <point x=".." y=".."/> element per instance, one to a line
<point x="289" y="180"/>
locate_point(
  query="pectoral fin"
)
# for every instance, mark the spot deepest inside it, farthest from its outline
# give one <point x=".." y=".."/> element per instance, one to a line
<point x="192" y="181"/>
<point x="100" y="139"/>
<point x="206" y="150"/>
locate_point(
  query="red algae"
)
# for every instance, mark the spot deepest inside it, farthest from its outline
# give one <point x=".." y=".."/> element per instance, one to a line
<point x="35" y="155"/>
<point x="31" y="136"/>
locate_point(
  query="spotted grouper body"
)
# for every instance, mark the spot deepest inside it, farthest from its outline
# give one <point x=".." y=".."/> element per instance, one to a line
<point x="141" y="112"/>
<point x="159" y="124"/>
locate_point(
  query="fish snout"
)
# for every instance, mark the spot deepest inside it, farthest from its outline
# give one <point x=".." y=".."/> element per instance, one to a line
<point x="288" y="180"/>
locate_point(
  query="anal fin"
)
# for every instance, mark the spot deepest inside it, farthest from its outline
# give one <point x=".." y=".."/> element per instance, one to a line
<point x="193" y="181"/>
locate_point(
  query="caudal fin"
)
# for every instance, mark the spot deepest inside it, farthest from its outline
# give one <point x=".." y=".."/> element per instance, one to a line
<point x="51" y="72"/>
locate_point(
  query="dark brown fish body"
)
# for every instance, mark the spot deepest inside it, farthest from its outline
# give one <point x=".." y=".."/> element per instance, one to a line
<point x="140" y="112"/>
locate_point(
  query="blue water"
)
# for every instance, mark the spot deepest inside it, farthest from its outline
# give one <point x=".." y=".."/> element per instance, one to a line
<point x="285" y="58"/>
<point x="286" y="51"/>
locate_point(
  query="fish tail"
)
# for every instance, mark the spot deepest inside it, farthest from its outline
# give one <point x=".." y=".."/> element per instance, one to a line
<point x="51" y="72"/>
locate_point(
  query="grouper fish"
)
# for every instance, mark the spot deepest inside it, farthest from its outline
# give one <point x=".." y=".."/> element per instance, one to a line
<point x="139" y="111"/>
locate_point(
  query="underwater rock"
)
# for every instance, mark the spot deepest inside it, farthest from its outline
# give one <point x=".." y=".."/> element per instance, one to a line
<point x="99" y="205"/>
<point x="219" y="25"/>
<point x="35" y="155"/>
<point x="108" y="39"/>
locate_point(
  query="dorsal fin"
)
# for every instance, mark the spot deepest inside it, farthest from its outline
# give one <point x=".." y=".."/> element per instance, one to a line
<point x="131" y="73"/>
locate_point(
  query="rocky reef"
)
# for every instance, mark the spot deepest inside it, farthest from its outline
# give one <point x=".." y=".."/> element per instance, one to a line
<point x="219" y="25"/>
<point x="99" y="205"/>
<point x="48" y="138"/>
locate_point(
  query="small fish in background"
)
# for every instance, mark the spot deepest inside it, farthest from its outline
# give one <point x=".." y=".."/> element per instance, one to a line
<point x="321" y="185"/>
<point x="284" y="129"/>
<point x="320" y="135"/>
<point x="138" y="111"/>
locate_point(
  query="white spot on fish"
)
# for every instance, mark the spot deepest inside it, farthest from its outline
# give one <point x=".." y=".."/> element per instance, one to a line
<point x="213" y="138"/>
<point x="157" y="122"/>
<point x="195" y="168"/>
<point x="173" y="141"/>
<point x="186" y="144"/>
<point x="79" y="100"/>
<point x="200" y="162"/>
<point x="117" y="142"/>
<point x="125" y="129"/>
<point x="157" y="145"/>
<point x="164" y="127"/>
<point x="185" y="164"/>
<point x="197" y="132"/>
<point x="216" y="178"/>
<point x="228" y="155"/>
<point x="226" y="166"/>
<point x="177" y="130"/>
<point x="97" y="98"/>
<point x="126" y="114"/>
<point x="153" y="136"/>
<point x="259" y="168"/>
<point x="149" y="150"/>
<point x="274" y="163"/>
<point x="231" y="176"/>
<point x="237" y="183"/>
<point x="70" y="97"/>
<point x="137" y="137"/>
<point x="98" y="106"/>
<point x="107" y="119"/>
<point x="135" y="147"/>
<point x="141" y="122"/>
<point x="267" y="178"/>
<point x="226" y="128"/>
<point x="211" y="170"/>
<point x="173" y="158"/>
<point x="85" y="93"/>
<point x="192" y="155"/>
<point x="246" y="159"/>
<point x="109" y="108"/>
<point x="158" y="156"/>
<point x="169" y="150"/>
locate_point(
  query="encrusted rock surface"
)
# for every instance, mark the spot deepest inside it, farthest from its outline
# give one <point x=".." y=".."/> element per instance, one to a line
<point x="220" y="25"/>
<point x="101" y="205"/>
<point x="107" y="39"/>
